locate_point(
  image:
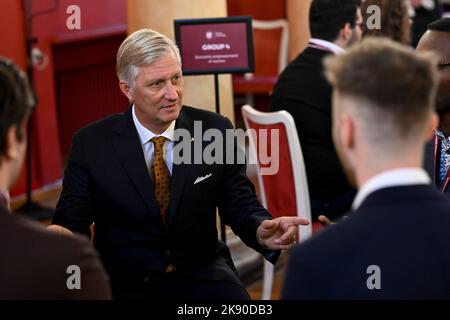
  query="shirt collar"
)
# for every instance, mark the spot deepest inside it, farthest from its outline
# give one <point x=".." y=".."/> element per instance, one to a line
<point x="391" y="178"/>
<point x="441" y="134"/>
<point x="146" y="135"/>
<point x="327" y="44"/>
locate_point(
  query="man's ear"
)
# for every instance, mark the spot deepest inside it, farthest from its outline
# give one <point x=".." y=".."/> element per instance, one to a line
<point x="346" y="32"/>
<point x="432" y="124"/>
<point x="347" y="132"/>
<point x="12" y="144"/>
<point x="126" y="90"/>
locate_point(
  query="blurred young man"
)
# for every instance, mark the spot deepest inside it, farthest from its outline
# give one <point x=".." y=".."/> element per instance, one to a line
<point x="35" y="263"/>
<point x="395" y="244"/>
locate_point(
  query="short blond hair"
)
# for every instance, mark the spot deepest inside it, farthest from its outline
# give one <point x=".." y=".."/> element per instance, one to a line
<point x="140" y="49"/>
<point x="399" y="84"/>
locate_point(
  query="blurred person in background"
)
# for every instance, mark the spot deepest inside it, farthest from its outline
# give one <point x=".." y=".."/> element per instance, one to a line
<point x="395" y="244"/>
<point x="437" y="151"/>
<point x="395" y="22"/>
<point x="35" y="263"/>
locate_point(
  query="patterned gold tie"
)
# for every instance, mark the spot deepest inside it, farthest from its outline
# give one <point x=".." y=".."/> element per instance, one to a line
<point x="160" y="177"/>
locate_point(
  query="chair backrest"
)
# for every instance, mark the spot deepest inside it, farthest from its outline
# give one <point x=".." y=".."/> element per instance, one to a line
<point x="271" y="39"/>
<point x="284" y="193"/>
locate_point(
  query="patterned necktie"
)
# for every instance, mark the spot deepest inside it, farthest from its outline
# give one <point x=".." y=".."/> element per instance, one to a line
<point x="444" y="163"/>
<point x="160" y="177"/>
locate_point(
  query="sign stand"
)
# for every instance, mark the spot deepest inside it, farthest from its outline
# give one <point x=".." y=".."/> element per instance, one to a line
<point x="215" y="46"/>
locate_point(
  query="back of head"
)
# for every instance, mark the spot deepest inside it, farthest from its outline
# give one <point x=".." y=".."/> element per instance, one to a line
<point x="440" y="25"/>
<point x="142" y="48"/>
<point x="328" y="17"/>
<point x="16" y="102"/>
<point x="394" y="87"/>
<point x="394" y="20"/>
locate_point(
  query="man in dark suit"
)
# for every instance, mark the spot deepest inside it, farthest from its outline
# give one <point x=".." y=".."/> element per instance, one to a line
<point x="394" y="245"/>
<point x="154" y="202"/>
<point x="34" y="263"/>
<point x="437" y="150"/>
<point x="303" y="91"/>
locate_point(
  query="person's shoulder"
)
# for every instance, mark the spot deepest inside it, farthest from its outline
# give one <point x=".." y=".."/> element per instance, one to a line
<point x="197" y="114"/>
<point x="53" y="257"/>
<point x="23" y="232"/>
<point x="105" y="124"/>
<point x="33" y="242"/>
<point x="309" y="56"/>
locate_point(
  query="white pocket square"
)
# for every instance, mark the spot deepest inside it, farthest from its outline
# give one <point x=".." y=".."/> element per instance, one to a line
<point x="200" y="179"/>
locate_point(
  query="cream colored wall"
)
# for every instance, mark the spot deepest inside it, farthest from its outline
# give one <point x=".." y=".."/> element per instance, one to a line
<point x="297" y="14"/>
<point x="159" y="15"/>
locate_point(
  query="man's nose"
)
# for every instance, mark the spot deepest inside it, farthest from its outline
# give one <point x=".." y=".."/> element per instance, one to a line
<point x="171" y="92"/>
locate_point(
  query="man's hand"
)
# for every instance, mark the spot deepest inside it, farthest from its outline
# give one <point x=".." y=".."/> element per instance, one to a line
<point x="59" y="229"/>
<point x="280" y="233"/>
<point x="324" y="221"/>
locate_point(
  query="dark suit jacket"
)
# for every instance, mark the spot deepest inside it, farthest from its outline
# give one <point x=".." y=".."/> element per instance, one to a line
<point x="34" y="262"/>
<point x="403" y="230"/>
<point x="304" y="92"/>
<point x="107" y="181"/>
<point x="432" y="167"/>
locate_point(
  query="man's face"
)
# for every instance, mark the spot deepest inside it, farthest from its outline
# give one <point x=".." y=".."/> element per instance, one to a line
<point x="158" y="92"/>
<point x="439" y="43"/>
<point x="339" y="126"/>
<point x="357" y="30"/>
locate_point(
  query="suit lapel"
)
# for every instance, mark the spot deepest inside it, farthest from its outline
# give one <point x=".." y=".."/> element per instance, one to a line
<point x="129" y="150"/>
<point x="180" y="172"/>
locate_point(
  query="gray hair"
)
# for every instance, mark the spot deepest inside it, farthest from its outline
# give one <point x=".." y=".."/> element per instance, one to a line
<point x="140" y="49"/>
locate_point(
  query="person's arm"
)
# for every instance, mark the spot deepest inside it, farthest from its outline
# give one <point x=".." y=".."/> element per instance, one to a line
<point x="280" y="233"/>
<point x="74" y="211"/>
<point x="242" y="211"/>
<point x="239" y="207"/>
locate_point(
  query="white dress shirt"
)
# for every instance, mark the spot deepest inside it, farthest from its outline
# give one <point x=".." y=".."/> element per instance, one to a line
<point x="326" y="44"/>
<point x="148" y="148"/>
<point x="391" y="178"/>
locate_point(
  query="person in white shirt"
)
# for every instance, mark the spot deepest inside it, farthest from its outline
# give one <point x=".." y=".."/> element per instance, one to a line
<point x="303" y="91"/>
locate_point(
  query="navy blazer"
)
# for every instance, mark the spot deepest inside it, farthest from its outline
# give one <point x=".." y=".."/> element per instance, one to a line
<point x="402" y="230"/>
<point x="107" y="182"/>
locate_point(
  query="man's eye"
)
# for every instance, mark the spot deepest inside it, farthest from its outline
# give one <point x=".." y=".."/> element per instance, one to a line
<point x="156" y="84"/>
